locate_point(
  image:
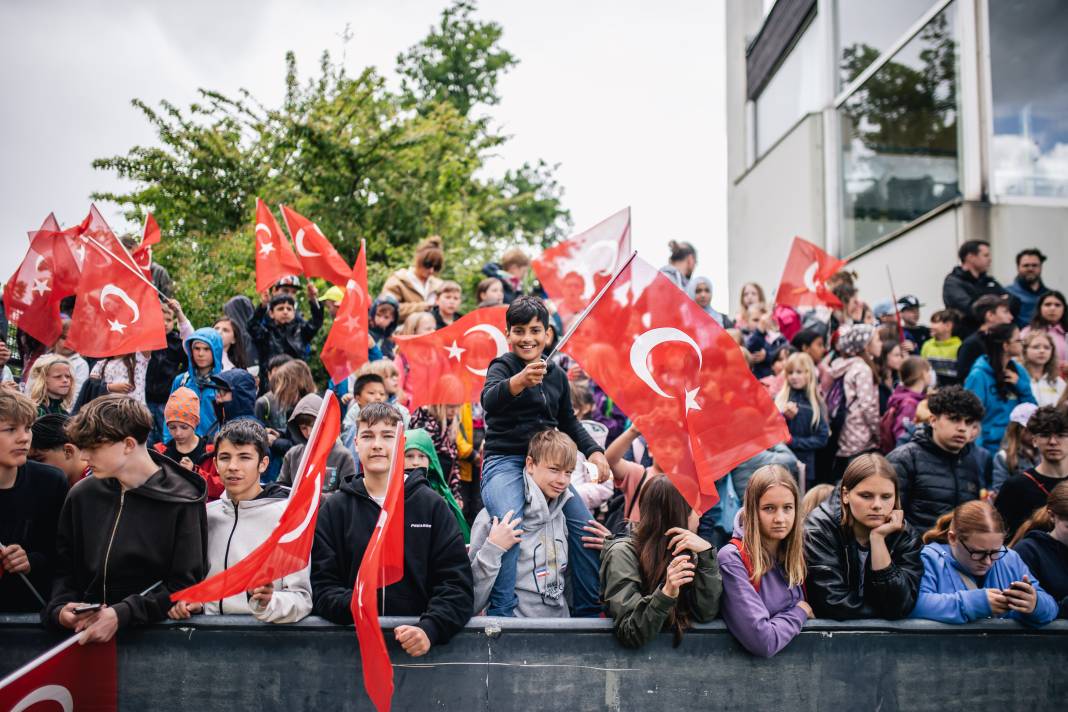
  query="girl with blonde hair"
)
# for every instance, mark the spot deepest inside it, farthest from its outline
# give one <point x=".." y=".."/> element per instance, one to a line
<point x="800" y="403"/>
<point x="52" y="385"/>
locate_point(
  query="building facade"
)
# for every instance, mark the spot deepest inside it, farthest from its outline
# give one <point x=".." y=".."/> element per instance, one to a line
<point x="892" y="132"/>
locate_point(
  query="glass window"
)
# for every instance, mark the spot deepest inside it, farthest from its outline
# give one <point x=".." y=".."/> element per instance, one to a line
<point x="792" y="92"/>
<point x="899" y="137"/>
<point x="866" y="29"/>
<point x="1029" y="88"/>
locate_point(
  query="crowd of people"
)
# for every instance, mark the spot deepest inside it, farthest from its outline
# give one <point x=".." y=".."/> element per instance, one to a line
<point x="926" y="474"/>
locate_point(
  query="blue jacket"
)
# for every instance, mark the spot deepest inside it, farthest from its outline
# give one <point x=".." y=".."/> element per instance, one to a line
<point x="1028" y="300"/>
<point x="243" y="404"/>
<point x="806" y="439"/>
<point x="208" y="421"/>
<point x="981" y="382"/>
<point x="944" y="596"/>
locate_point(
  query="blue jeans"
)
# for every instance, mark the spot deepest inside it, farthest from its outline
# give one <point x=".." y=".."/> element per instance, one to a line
<point x="158" y="426"/>
<point x="503" y="490"/>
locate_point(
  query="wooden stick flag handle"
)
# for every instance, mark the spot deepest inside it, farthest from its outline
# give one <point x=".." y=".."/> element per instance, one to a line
<point x="139" y="273"/>
<point x="589" y="307"/>
<point x="30" y="585"/>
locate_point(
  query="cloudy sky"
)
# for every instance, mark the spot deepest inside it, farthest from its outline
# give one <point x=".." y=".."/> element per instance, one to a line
<point x="628" y="96"/>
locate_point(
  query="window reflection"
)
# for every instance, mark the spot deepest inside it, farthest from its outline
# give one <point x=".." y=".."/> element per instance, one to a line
<point x="792" y="92"/>
<point x="866" y="29"/>
<point x="1029" y="82"/>
<point x="899" y="137"/>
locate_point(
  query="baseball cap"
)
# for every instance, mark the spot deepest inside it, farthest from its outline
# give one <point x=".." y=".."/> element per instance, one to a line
<point x="288" y="281"/>
<point x="1022" y="413"/>
<point x="908" y="302"/>
<point x="334" y="294"/>
<point x="883" y="309"/>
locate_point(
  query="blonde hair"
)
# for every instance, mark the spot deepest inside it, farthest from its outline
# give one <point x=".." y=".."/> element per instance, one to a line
<point x="1051" y="370"/>
<point x="38" y="376"/>
<point x="411" y="324"/>
<point x="551" y="447"/>
<point x="290" y="382"/>
<point x="792" y="552"/>
<point x="1042" y="518"/>
<point x="450" y="286"/>
<point x="815" y="496"/>
<point x="801" y="361"/>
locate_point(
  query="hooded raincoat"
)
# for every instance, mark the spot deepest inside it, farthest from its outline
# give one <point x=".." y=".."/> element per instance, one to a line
<point x="420" y="440"/>
<point x="200" y="385"/>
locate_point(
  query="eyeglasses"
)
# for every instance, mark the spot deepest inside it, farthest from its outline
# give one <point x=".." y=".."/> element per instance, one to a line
<point x="980" y="554"/>
<point x="1052" y="436"/>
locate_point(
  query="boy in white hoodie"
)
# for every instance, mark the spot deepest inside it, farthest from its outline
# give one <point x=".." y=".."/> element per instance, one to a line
<point x="240" y="521"/>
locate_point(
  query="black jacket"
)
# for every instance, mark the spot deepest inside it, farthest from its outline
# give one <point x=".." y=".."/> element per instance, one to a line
<point x="243" y="388"/>
<point x="437" y="584"/>
<point x="960" y="290"/>
<point x="294" y="338"/>
<point x="511" y="421"/>
<point x="932" y="481"/>
<point x="1047" y="559"/>
<point x="163" y="366"/>
<point x="112" y="545"/>
<point x="1020" y="496"/>
<point x="833" y="583"/>
<point x="29" y="511"/>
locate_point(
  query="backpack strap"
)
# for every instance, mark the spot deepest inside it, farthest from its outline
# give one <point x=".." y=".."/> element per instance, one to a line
<point x="746" y="561"/>
<point x="637" y="492"/>
<point x="1038" y="484"/>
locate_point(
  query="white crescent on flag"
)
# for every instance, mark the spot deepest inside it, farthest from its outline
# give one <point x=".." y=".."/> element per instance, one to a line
<point x="299" y="240"/>
<point x="295" y="533"/>
<point x="639" y="359"/>
<point x="49" y="693"/>
<point x="111" y="290"/>
<point x="498" y="340"/>
<point x="810" y="277"/>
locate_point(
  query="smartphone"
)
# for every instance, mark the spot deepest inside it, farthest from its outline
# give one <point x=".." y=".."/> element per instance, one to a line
<point x="89" y="608"/>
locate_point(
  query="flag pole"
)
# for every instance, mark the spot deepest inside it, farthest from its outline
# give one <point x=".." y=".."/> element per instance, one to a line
<point x="40" y="660"/>
<point x="30" y="585"/>
<point x="125" y="264"/>
<point x="897" y="312"/>
<point x="589" y="307"/>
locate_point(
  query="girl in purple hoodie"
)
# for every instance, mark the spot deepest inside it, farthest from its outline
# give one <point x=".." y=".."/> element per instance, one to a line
<point x="915" y="377"/>
<point x="763" y="566"/>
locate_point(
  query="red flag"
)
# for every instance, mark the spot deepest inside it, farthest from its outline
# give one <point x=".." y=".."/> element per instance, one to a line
<point x="573" y="271"/>
<point x="449" y="365"/>
<point x="288" y="547"/>
<point x="680" y="377"/>
<point x="382" y="564"/>
<point x="118" y="310"/>
<point x="803" y="281"/>
<point x="314" y="251"/>
<point x="149" y="236"/>
<point x="345" y="349"/>
<point x="274" y="256"/>
<point x="32" y="295"/>
<point x="71" y="676"/>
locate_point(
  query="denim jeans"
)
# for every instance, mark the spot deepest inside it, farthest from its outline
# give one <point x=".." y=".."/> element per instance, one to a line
<point x="503" y="490"/>
<point x="158" y="426"/>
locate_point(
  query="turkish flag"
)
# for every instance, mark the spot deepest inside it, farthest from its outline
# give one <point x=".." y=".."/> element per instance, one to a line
<point x="288" y="547"/>
<point x="274" y="256"/>
<point x="345" y="349"/>
<point x="117" y="310"/>
<point x="680" y="377"/>
<point x="382" y="564"/>
<point x="803" y="281"/>
<point x="448" y="366"/>
<point x="314" y="251"/>
<point x="32" y="295"/>
<point x="149" y="236"/>
<point x="67" y="677"/>
<point x="573" y="271"/>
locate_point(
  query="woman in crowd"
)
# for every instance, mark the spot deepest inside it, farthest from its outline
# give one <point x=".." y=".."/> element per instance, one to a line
<point x="233" y="344"/>
<point x="681" y="264"/>
<point x="1000" y="382"/>
<point x="1052" y="317"/>
<point x="763" y="566"/>
<point x="1018" y="453"/>
<point x="857" y="345"/>
<point x="889" y="361"/>
<point x="915" y="376"/>
<point x="800" y="403"/>
<point x="52" y="385"/>
<point x="700" y="291"/>
<point x="752" y="294"/>
<point x="968" y="574"/>
<point x="414" y="287"/>
<point x="1042" y="366"/>
<point x="863" y="558"/>
<point x="1042" y="543"/>
<point x="664" y="576"/>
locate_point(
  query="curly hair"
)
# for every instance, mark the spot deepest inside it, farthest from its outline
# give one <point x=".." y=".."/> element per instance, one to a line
<point x="955" y="402"/>
<point x="1047" y="420"/>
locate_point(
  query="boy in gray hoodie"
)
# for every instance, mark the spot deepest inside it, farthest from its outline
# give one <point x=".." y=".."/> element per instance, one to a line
<point x="339" y="464"/>
<point x="542" y="534"/>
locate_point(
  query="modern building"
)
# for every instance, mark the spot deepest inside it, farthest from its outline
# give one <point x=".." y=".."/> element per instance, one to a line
<point x="891" y="131"/>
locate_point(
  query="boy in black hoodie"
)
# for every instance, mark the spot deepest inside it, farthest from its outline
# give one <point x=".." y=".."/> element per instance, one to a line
<point x="523" y="396"/>
<point x="277" y="328"/>
<point x="437" y="585"/>
<point x="131" y="534"/>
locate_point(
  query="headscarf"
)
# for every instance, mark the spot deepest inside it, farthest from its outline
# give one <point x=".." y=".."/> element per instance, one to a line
<point x="420" y="440"/>
<point x="691" y="289"/>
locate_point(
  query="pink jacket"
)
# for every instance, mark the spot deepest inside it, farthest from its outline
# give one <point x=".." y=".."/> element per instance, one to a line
<point x="860" y="432"/>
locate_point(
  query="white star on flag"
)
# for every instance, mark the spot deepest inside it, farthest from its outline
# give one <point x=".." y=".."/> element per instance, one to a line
<point x="351" y="322"/>
<point x="117" y="326"/>
<point x="266" y="248"/>
<point x="41" y="286"/>
<point x="691" y="400"/>
<point x="455" y="351"/>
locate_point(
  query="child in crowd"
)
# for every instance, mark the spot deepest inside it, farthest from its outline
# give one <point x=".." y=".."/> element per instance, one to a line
<point x="130" y="535"/>
<point x="888" y="362"/>
<point x="276" y="328"/>
<point x="542" y="538"/>
<point x="863" y="558"/>
<point x="384" y="316"/>
<point x="752" y="295"/>
<point x="969" y="575"/>
<point x="416" y="324"/>
<point x="470" y="434"/>
<point x="1051" y="316"/>
<point x="51" y="446"/>
<point x="290" y="382"/>
<point x="79" y="367"/>
<point x="165" y="365"/>
<point x="522" y="396"/>
<point x="916" y="335"/>
<point x="235" y="396"/>
<point x="31" y="496"/>
<point x="1022" y="494"/>
<point x="331" y="300"/>
<point x="510" y="273"/>
<point x="239" y="522"/>
<point x="901" y="406"/>
<point x="801" y="405"/>
<point x="1018" y="453"/>
<point x="182" y="416"/>
<point x="941" y="349"/>
<point x="123" y="375"/>
<point x="419" y="453"/>
<point x="52" y="389"/>
<point x="810" y="341"/>
<point x="764" y="342"/>
<point x="629" y="476"/>
<point x="662" y="577"/>
<point x="339" y="463"/>
<point x="1042" y="543"/>
<point x="437" y="586"/>
<point x="858" y="397"/>
<point x="1000" y="382"/>
<point x="204" y="357"/>
<point x="1042" y="366"/>
<point x="489" y="293"/>
<point x="763" y="566"/>
<point x="441" y="422"/>
<point x="233" y="342"/>
<point x="446" y="309"/>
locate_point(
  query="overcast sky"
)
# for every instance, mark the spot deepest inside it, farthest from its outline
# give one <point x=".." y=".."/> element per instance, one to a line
<point x="628" y="96"/>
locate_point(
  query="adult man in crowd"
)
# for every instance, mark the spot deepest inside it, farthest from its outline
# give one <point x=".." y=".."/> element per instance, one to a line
<point x="1028" y="286"/>
<point x="989" y="310"/>
<point x="969" y="281"/>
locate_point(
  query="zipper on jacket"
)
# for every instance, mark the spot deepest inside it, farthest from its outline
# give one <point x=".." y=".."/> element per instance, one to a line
<point x="226" y="554"/>
<point x="107" y="554"/>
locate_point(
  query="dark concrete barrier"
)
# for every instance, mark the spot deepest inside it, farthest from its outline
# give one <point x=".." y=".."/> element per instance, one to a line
<point x="234" y="663"/>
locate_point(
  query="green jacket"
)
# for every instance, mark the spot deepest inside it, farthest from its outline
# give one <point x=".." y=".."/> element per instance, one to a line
<point x="420" y="440"/>
<point x="639" y="618"/>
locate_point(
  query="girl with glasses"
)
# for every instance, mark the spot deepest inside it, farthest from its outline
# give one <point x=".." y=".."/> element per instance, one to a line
<point x="968" y="574"/>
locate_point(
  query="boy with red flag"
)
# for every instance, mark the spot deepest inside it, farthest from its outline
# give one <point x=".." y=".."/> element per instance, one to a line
<point x="436" y="586"/>
<point x="804" y="279"/>
<point x="274" y="256"/>
<point x="317" y="256"/>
